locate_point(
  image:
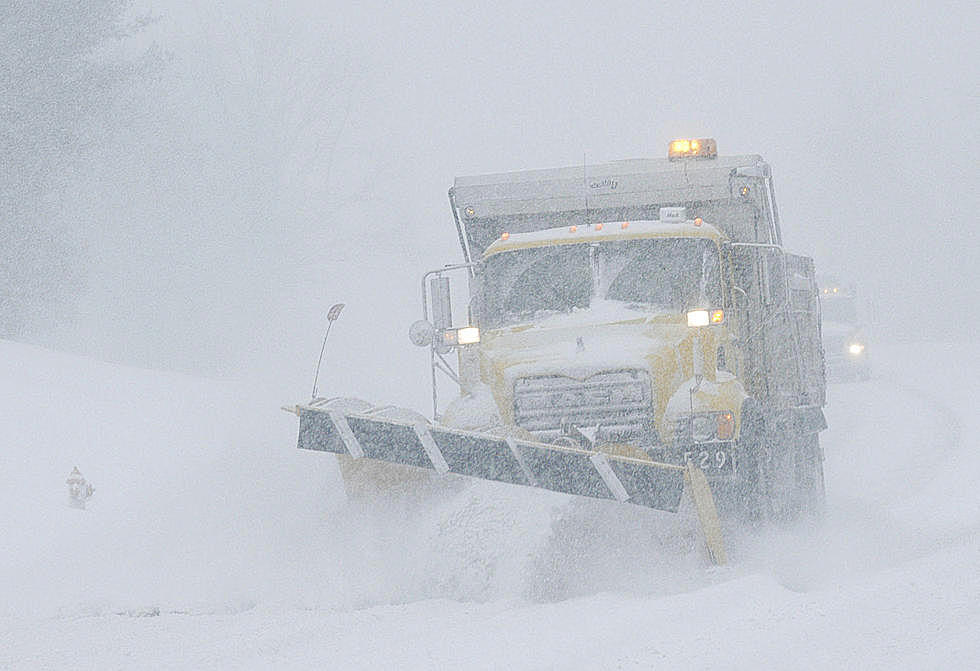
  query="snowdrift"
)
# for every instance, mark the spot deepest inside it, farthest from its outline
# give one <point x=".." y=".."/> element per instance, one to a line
<point x="212" y="542"/>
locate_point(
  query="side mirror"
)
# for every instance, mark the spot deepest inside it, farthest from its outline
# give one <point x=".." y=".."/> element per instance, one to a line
<point x="442" y="308"/>
<point x="421" y="333"/>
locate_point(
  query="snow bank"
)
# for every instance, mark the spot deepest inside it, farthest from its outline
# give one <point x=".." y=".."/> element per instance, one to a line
<point x="212" y="542"/>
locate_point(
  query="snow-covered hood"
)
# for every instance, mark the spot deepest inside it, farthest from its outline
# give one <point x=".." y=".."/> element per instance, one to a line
<point x="582" y="344"/>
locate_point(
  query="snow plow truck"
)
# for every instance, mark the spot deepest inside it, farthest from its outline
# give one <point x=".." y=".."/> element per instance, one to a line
<point x="634" y="330"/>
<point x="845" y="340"/>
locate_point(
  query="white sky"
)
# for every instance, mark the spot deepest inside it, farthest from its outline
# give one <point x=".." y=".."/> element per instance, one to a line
<point x="356" y="119"/>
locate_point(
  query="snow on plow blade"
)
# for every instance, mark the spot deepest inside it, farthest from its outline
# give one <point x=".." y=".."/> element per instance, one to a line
<point x="519" y="462"/>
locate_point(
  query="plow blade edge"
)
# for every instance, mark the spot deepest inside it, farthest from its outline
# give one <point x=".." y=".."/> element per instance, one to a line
<point x="488" y="457"/>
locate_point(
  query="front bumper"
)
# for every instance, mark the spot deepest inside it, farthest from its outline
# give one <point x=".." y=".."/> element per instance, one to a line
<point x="717" y="459"/>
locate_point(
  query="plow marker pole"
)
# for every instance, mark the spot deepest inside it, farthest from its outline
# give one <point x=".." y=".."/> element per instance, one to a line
<point x="704" y="505"/>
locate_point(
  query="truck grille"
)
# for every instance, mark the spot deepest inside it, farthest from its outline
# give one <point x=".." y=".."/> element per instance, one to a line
<point x="620" y="401"/>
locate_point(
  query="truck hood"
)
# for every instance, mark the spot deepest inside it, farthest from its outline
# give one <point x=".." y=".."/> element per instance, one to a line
<point x="582" y="344"/>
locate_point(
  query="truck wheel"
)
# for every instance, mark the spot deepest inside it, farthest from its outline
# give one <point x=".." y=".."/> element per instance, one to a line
<point x="770" y="470"/>
<point x="809" y="476"/>
<point x="752" y="489"/>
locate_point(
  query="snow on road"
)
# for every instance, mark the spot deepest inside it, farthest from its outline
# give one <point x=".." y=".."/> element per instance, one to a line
<point x="211" y="542"/>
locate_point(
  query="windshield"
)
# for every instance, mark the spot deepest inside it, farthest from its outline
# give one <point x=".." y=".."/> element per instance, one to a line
<point x="658" y="276"/>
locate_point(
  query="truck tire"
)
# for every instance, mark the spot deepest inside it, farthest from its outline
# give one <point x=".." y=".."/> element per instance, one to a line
<point x="780" y="470"/>
<point x="811" y="493"/>
<point x="795" y="474"/>
<point x="752" y="490"/>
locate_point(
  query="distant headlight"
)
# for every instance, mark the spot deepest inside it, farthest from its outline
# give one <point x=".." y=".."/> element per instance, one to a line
<point x="855" y="348"/>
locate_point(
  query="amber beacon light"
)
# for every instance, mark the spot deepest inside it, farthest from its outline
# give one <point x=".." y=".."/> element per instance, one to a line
<point x="687" y="148"/>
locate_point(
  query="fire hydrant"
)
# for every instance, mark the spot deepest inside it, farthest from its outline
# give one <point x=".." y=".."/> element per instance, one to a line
<point x="79" y="490"/>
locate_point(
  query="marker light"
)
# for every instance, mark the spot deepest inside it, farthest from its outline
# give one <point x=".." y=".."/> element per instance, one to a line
<point x="855" y="348"/>
<point x="698" y="221"/>
<point x="726" y="426"/>
<point x="717" y="316"/>
<point x="624" y="225"/>
<point x="573" y="228"/>
<point x="468" y="335"/>
<point x="697" y="318"/>
<point x="598" y="227"/>
<point x="686" y="148"/>
<point x="504" y="235"/>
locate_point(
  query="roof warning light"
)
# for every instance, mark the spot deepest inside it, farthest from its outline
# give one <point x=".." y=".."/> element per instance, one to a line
<point x="686" y="148"/>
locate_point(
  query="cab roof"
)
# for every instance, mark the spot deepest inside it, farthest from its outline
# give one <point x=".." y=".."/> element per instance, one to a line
<point x="604" y="232"/>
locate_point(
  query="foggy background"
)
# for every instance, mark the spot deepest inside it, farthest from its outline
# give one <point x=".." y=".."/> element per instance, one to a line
<point x="192" y="187"/>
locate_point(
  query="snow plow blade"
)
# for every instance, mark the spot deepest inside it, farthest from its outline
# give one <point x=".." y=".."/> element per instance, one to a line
<point x="513" y="461"/>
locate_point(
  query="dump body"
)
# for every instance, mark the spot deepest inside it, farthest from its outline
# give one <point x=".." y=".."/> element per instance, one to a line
<point x="486" y="206"/>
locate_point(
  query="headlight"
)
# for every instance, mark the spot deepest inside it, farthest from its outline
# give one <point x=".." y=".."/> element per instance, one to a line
<point x="697" y="318"/>
<point x="468" y="335"/>
<point x="855" y="348"/>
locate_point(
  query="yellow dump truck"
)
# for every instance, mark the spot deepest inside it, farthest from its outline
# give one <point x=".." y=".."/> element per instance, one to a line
<point x="632" y="329"/>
